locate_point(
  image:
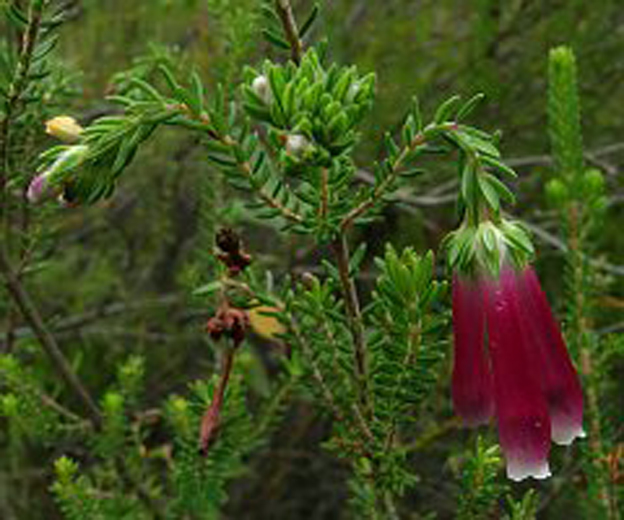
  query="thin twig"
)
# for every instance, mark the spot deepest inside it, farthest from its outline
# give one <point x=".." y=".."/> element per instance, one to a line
<point x="78" y="321"/>
<point x="546" y="160"/>
<point x="60" y="409"/>
<point x="436" y="197"/>
<point x="324" y="206"/>
<point x="285" y="13"/>
<point x="382" y="188"/>
<point x="271" y="201"/>
<point x="246" y="169"/>
<point x="316" y="373"/>
<point x="15" y="92"/>
<point x="211" y="421"/>
<point x="352" y="302"/>
<point x="32" y="316"/>
<point x="558" y="243"/>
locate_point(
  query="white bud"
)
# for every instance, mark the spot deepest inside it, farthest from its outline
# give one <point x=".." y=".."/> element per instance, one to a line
<point x="354" y="88"/>
<point x="262" y="88"/>
<point x="296" y="145"/>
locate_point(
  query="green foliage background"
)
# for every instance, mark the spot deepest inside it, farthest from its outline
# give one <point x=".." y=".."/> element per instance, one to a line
<point x="114" y="282"/>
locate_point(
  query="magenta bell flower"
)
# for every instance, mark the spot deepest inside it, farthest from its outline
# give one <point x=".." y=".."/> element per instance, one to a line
<point x="511" y="362"/>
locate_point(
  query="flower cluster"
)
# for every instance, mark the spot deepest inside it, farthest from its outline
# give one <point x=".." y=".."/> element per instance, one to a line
<point x="511" y="361"/>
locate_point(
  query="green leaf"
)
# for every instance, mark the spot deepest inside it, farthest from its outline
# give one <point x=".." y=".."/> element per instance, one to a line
<point x="417" y="115"/>
<point x="309" y="21"/>
<point x="468" y="107"/>
<point x="503" y="191"/>
<point x="208" y="289"/>
<point x="489" y="192"/>
<point x="275" y="39"/>
<point x="499" y="165"/>
<point x="446" y="109"/>
<point x="478" y="143"/>
<point x="356" y="258"/>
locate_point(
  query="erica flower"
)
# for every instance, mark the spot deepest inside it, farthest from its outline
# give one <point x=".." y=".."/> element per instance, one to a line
<point x="39" y="187"/>
<point x="511" y="361"/>
<point x="52" y="180"/>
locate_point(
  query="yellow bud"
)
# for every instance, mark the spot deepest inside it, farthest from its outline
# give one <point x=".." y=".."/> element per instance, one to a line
<point x="65" y="128"/>
<point x="262" y="324"/>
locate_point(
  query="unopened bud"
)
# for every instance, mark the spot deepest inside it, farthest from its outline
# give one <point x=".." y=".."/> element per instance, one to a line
<point x="262" y="88"/>
<point x="593" y="182"/>
<point x="38" y="187"/>
<point x="43" y="184"/>
<point x="557" y="193"/>
<point x="296" y="145"/>
<point x="308" y="280"/>
<point x="64" y="128"/>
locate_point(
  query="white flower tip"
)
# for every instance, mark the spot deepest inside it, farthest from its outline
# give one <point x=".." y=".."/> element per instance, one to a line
<point x="518" y="470"/>
<point x="564" y="435"/>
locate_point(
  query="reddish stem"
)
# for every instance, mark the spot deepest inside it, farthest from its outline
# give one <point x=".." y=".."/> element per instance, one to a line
<point x="211" y="420"/>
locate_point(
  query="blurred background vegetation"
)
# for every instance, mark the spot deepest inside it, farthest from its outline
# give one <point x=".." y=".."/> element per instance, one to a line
<point x="115" y="280"/>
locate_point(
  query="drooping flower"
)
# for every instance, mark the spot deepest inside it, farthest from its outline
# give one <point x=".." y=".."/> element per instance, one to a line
<point x="511" y="361"/>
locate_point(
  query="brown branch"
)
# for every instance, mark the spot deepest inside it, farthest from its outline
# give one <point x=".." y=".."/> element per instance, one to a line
<point x="47" y="341"/>
<point x="285" y="13"/>
<point x="324" y="206"/>
<point x="15" y="91"/>
<point x="271" y="201"/>
<point x="60" y="409"/>
<point x="62" y="366"/>
<point x="349" y="291"/>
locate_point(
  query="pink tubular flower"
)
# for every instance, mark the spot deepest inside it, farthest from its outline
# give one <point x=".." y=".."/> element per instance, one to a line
<point x="511" y="359"/>
<point x="472" y="377"/>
